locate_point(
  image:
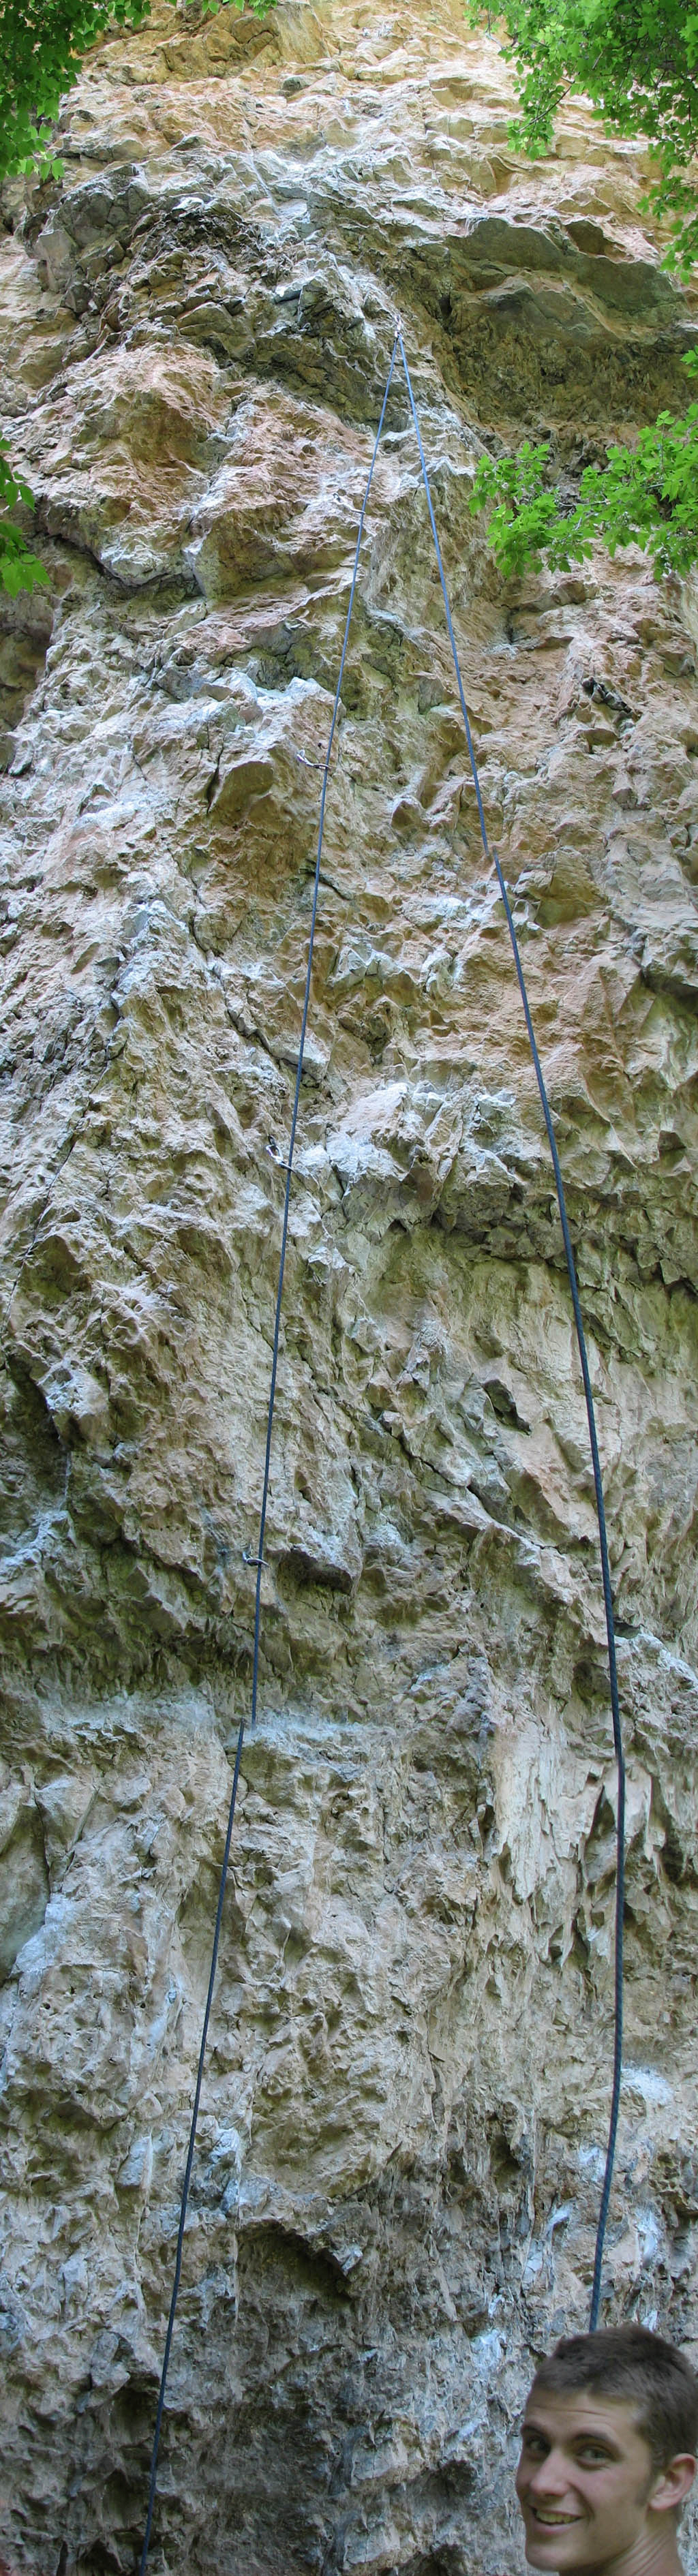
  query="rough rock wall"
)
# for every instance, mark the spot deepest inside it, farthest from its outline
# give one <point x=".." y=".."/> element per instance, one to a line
<point x="406" y="2095"/>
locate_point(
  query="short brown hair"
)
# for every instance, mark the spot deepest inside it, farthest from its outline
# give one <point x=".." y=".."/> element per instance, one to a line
<point x="629" y="2362"/>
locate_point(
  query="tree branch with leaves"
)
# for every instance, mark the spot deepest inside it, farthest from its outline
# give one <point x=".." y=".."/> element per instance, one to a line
<point x="43" y="44"/>
<point x="637" y="62"/>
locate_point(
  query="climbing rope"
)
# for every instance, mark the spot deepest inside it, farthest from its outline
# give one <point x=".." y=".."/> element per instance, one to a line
<point x="258" y="1560"/>
<point x="591" y="1420"/>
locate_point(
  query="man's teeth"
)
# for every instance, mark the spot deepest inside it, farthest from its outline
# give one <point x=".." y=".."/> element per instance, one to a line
<point x="554" y="2518"/>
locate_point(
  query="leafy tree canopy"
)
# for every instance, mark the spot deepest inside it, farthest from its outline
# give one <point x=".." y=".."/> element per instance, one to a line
<point x="42" y="43"/>
<point x="42" y="47"/>
<point x="637" y="61"/>
<point x="644" y="496"/>
<point x="19" y="568"/>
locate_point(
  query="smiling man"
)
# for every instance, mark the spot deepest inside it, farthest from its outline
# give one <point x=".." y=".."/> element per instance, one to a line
<point x="608" y="2453"/>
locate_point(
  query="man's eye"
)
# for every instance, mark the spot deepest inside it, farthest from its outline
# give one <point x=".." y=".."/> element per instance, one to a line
<point x="594" y="2453"/>
<point x="534" y="2446"/>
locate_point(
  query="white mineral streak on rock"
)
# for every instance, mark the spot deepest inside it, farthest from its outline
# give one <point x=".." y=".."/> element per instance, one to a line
<point x="406" y="2096"/>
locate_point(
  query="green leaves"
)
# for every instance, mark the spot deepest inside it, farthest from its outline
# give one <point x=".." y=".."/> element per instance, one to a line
<point x="637" y="60"/>
<point x="524" y="514"/>
<point x="646" y="496"/>
<point x="19" y="568"/>
<point x="42" y="45"/>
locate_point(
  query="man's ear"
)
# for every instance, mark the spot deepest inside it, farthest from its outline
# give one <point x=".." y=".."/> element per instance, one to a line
<point x="673" y="2484"/>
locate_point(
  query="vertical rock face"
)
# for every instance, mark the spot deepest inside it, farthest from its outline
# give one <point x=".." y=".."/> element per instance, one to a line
<point x="406" y="2093"/>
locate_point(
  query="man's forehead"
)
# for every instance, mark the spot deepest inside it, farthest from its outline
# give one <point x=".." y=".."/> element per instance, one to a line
<point x="578" y="2410"/>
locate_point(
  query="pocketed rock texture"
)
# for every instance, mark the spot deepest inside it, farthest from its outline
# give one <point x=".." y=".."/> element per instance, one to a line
<point x="406" y="2094"/>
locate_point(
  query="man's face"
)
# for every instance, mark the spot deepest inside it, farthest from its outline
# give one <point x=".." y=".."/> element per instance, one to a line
<point x="585" y="2483"/>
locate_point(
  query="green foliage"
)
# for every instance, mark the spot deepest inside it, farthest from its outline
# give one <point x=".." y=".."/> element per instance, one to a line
<point x="42" y="43"/>
<point x="42" y="46"/>
<point x="644" y="496"/>
<point x="637" y="60"/>
<point x="19" y="569"/>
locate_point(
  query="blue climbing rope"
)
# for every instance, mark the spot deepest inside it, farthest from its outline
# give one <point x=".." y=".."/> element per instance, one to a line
<point x="591" y="1421"/>
<point x="262" y="1527"/>
<point x="258" y="1561"/>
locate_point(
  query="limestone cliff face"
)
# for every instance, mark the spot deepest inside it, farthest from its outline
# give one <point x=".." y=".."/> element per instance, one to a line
<point x="406" y="2095"/>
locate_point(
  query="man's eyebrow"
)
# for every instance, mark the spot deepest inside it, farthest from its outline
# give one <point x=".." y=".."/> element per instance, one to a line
<point x="583" y="2433"/>
<point x="604" y="2441"/>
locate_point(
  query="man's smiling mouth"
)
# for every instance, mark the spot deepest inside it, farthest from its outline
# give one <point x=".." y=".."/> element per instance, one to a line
<point x="552" y="2521"/>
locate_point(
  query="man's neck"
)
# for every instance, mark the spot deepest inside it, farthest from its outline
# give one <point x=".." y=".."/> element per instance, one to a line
<point x="654" y="2554"/>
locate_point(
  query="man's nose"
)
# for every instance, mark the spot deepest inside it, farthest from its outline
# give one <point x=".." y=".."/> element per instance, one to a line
<point x="550" y="2475"/>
